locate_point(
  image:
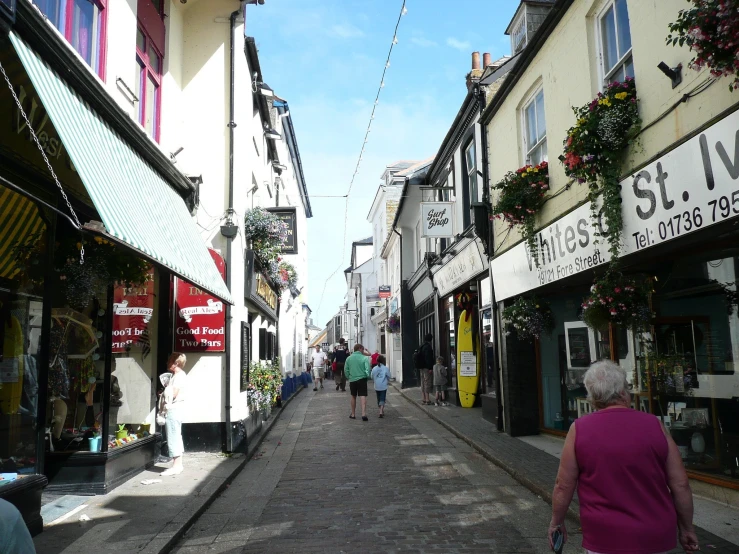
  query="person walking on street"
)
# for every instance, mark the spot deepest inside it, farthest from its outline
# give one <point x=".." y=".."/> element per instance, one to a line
<point x="341" y="353"/>
<point x="318" y="360"/>
<point x="357" y="371"/>
<point x="424" y="360"/>
<point x="381" y="377"/>
<point x="608" y="449"/>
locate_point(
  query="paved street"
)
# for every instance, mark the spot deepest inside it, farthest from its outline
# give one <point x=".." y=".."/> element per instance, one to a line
<point x="324" y="483"/>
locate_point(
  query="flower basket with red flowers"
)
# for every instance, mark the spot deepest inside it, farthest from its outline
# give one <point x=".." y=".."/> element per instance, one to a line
<point x="393" y="324"/>
<point x="617" y="299"/>
<point x="592" y="151"/>
<point x="710" y="28"/>
<point x="522" y="194"/>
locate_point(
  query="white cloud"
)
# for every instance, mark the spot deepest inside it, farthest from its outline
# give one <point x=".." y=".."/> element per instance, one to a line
<point x="423" y="42"/>
<point x="458" y="44"/>
<point x="346" y="30"/>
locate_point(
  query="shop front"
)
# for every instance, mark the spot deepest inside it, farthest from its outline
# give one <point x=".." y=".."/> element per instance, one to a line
<point x="458" y="282"/>
<point x="680" y="236"/>
<point x="85" y="276"/>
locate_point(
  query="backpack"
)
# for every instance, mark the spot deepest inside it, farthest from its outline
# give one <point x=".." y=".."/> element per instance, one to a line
<point x="419" y="359"/>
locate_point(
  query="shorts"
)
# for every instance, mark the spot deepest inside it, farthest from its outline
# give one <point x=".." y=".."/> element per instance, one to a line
<point x="381" y="397"/>
<point x="358" y="388"/>
<point x="440" y="388"/>
<point x="317" y="372"/>
<point x="427" y="376"/>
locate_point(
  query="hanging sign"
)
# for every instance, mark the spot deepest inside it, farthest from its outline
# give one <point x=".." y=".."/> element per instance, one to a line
<point x="687" y="189"/>
<point x="385" y="291"/>
<point x="200" y="320"/>
<point x="467" y="264"/>
<point x="437" y="220"/>
<point x="133" y="308"/>
<point x="289" y="217"/>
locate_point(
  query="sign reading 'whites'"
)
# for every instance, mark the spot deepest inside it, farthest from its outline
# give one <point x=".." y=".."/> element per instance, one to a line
<point x="691" y="187"/>
<point x="437" y="219"/>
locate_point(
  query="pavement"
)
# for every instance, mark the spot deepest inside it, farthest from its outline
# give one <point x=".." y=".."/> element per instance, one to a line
<point x="534" y="461"/>
<point x="140" y="517"/>
<point x="323" y="482"/>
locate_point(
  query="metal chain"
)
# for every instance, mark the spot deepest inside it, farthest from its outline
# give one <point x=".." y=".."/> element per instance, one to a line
<point x="43" y="154"/>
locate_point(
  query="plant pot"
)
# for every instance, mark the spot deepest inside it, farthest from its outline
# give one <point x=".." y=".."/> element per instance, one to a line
<point x="145" y="428"/>
<point x="265" y="414"/>
<point x="94" y="443"/>
<point x="121" y="434"/>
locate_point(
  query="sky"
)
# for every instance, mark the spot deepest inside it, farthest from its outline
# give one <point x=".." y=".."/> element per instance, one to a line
<point x="326" y="57"/>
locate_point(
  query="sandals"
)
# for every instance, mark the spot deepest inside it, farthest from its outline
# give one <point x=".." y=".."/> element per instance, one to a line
<point x="352" y="417"/>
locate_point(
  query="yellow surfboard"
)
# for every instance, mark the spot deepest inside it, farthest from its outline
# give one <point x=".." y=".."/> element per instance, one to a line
<point x="468" y="362"/>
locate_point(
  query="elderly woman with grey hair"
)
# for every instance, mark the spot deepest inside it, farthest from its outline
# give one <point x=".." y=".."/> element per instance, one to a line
<point x="632" y="486"/>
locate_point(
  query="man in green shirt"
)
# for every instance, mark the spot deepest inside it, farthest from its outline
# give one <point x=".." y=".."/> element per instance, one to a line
<point x="357" y="371"/>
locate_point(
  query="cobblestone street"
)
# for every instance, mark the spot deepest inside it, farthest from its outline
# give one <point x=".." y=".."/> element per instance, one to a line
<point x="324" y="483"/>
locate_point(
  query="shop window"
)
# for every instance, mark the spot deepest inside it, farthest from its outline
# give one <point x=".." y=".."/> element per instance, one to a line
<point x="535" y="132"/>
<point x="615" y="42"/>
<point x="82" y="22"/>
<point x="425" y="319"/>
<point x="148" y="83"/>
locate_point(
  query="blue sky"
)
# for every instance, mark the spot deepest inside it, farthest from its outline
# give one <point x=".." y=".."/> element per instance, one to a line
<point x="326" y="57"/>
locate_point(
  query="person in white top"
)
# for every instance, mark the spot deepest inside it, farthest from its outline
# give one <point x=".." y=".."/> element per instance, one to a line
<point x="318" y="361"/>
<point x="175" y="399"/>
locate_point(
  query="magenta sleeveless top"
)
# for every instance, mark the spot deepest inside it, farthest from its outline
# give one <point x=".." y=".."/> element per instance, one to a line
<point x="625" y="504"/>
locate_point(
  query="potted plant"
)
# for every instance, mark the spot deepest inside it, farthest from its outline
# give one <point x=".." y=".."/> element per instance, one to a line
<point x="617" y="299"/>
<point x="709" y="29"/>
<point x="530" y="317"/>
<point x="266" y="232"/>
<point x="521" y="196"/>
<point x="122" y="432"/>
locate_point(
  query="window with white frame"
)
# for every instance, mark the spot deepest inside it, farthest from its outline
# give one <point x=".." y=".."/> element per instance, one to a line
<point x="470" y="157"/>
<point x="518" y="36"/>
<point x="535" y="130"/>
<point x="615" y="42"/>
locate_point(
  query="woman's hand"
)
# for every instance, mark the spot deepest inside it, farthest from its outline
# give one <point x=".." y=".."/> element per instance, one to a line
<point x="554" y="527"/>
<point x="689" y="540"/>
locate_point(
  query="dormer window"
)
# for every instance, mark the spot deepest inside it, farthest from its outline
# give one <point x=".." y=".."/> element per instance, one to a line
<point x="518" y="36"/>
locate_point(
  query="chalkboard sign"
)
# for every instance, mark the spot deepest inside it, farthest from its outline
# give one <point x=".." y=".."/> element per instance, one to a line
<point x="245" y="355"/>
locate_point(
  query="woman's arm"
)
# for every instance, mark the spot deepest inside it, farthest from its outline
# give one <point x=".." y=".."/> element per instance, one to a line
<point x="564" y="487"/>
<point x="682" y="496"/>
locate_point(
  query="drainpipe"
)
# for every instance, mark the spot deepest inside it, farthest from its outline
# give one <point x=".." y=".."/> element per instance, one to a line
<point x="494" y="304"/>
<point x="230" y="230"/>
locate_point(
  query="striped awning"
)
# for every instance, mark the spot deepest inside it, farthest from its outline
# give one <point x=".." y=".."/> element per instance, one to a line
<point x="19" y="219"/>
<point x="135" y="203"/>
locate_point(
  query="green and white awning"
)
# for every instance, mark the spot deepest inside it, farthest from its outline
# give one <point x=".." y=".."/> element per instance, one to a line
<point x="135" y="203"/>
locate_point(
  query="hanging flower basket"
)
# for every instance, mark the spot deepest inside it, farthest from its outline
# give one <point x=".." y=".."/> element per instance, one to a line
<point x="267" y="233"/>
<point x="520" y="199"/>
<point x="286" y="275"/>
<point x="530" y="317"/>
<point x="710" y="28"/>
<point x="620" y="300"/>
<point x="393" y="324"/>
<point x="592" y="151"/>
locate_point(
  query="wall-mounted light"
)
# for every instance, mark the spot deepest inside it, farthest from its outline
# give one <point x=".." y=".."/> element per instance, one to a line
<point x="272" y="134"/>
<point x="674" y="73"/>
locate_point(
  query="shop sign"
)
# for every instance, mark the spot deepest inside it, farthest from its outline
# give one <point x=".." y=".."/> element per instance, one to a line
<point x="464" y="266"/>
<point x="289" y="217"/>
<point x="258" y="291"/>
<point x="265" y="292"/>
<point x="692" y="187"/>
<point x="200" y="320"/>
<point x="437" y="219"/>
<point x="384" y="291"/>
<point x="133" y="308"/>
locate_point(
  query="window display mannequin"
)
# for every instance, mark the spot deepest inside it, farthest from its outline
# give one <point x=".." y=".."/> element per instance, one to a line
<point x="58" y="376"/>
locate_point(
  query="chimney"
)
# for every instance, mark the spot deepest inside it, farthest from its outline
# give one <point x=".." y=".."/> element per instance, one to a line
<point x="486" y="60"/>
<point x="473" y="76"/>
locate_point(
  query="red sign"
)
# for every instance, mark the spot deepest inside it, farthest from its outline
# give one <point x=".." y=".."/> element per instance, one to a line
<point x="200" y="320"/>
<point x="132" y="310"/>
<point x="385" y="291"/>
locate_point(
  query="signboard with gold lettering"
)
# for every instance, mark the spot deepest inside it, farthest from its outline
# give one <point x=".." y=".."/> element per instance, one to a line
<point x="200" y="319"/>
<point x="259" y="293"/>
<point x="289" y="217"/>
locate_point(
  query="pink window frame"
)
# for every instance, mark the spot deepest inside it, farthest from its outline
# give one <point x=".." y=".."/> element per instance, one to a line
<point x="148" y="71"/>
<point x="103" y="38"/>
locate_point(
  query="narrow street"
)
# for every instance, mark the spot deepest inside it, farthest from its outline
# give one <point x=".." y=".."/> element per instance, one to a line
<point x="324" y="483"/>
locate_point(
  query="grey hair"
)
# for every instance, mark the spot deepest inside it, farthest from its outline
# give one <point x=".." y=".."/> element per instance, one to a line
<point x="606" y="384"/>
